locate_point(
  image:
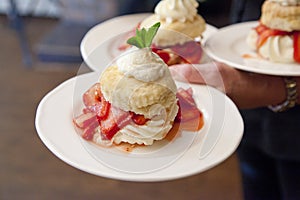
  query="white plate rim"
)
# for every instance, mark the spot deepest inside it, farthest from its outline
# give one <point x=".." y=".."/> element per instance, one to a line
<point x="99" y="28"/>
<point x="124" y="23"/>
<point x="209" y="49"/>
<point x="90" y="165"/>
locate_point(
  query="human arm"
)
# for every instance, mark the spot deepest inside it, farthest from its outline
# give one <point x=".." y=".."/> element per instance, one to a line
<point x="247" y="90"/>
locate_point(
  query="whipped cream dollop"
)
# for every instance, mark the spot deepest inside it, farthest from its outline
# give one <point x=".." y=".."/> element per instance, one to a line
<point x="287" y="2"/>
<point x="276" y="48"/>
<point x="145" y="134"/>
<point x="180" y="10"/>
<point x="142" y="64"/>
<point x="155" y="129"/>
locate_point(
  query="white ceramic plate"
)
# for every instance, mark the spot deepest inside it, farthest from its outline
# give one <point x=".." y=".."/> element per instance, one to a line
<point x="100" y="44"/>
<point x="228" y="45"/>
<point x="215" y="142"/>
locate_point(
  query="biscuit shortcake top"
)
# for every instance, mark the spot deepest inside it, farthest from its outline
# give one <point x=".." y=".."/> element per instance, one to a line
<point x="281" y="15"/>
<point x="176" y="16"/>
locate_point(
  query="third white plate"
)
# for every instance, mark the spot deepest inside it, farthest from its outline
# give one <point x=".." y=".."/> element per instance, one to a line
<point x="228" y="45"/>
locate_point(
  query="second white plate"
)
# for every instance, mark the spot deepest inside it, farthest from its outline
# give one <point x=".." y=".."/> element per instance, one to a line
<point x="228" y="45"/>
<point x="100" y="44"/>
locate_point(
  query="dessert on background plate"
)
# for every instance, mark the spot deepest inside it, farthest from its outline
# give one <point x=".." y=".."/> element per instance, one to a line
<point x="277" y="37"/>
<point x="136" y="100"/>
<point x="179" y="38"/>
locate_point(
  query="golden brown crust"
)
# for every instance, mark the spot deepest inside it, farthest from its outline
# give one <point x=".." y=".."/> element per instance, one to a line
<point x="276" y="16"/>
<point x="188" y="30"/>
<point x="192" y="29"/>
<point x="130" y="94"/>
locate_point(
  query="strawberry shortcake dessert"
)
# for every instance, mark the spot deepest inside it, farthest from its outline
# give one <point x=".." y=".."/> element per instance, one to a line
<point x="136" y="100"/>
<point x="277" y="37"/>
<point x="179" y="38"/>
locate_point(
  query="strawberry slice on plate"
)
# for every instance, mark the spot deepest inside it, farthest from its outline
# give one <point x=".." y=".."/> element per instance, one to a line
<point x="95" y="102"/>
<point x="165" y="56"/>
<point x="297" y="46"/>
<point x="185" y="97"/>
<point x="190" y="117"/>
<point x="89" y="132"/>
<point x="116" y="120"/>
<point x="92" y="95"/>
<point x="101" y="109"/>
<point x="84" y="120"/>
<point x="138" y="119"/>
<point x="88" y="123"/>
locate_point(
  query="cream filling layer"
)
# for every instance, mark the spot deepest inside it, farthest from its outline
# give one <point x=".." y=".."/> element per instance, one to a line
<point x="276" y="48"/>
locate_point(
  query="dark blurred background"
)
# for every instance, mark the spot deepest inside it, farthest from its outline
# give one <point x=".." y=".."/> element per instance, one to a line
<point x="73" y="18"/>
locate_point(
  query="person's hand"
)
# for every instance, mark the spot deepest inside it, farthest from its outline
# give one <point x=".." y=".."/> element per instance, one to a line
<point x="247" y="90"/>
<point x="214" y="74"/>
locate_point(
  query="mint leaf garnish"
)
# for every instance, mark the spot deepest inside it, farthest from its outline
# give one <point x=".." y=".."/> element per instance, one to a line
<point x="143" y="38"/>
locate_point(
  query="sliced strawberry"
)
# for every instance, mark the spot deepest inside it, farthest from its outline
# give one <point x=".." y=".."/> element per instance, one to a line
<point x="263" y="37"/>
<point x="85" y="111"/>
<point x="189" y="113"/>
<point x="88" y="122"/>
<point x="95" y="102"/>
<point x="260" y="28"/>
<point x="124" y="47"/>
<point x="92" y="96"/>
<point x="188" y="109"/>
<point x="138" y="119"/>
<point x="192" y="124"/>
<point x="190" y="91"/>
<point x="164" y="55"/>
<point x="178" y="116"/>
<point x="89" y="132"/>
<point x="155" y="49"/>
<point x="297" y="46"/>
<point x="101" y="109"/>
<point x="264" y="33"/>
<point x="115" y="120"/>
<point x="84" y="120"/>
<point x="185" y="97"/>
